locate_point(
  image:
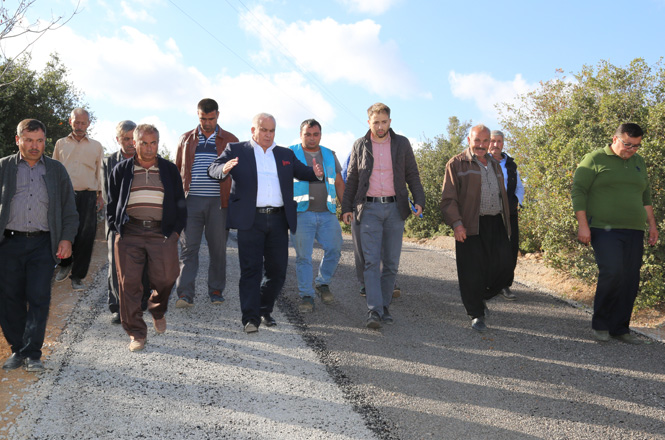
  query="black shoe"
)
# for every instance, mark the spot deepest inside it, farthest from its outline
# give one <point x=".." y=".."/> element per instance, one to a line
<point x="34" y="365"/>
<point x="362" y="291"/>
<point x="13" y="362"/>
<point x="115" y="318"/>
<point x="387" y="318"/>
<point x="62" y="273"/>
<point x="268" y="320"/>
<point x="508" y="294"/>
<point x="478" y="324"/>
<point x="373" y="320"/>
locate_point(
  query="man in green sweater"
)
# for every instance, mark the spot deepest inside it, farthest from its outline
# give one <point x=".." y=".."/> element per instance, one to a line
<point x="612" y="203"/>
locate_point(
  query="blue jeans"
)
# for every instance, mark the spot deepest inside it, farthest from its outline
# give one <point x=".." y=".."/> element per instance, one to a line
<point x="324" y="227"/>
<point x="381" y="230"/>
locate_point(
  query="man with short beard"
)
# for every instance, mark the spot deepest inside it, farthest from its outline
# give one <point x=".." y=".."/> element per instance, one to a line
<point x="382" y="164"/>
<point x="474" y="203"/>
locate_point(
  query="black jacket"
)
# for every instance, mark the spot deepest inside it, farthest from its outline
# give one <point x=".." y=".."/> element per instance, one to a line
<point x="174" y="208"/>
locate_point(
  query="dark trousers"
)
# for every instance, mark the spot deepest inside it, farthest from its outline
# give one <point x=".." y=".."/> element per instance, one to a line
<point x="112" y="279"/>
<point x="483" y="263"/>
<point x="619" y="257"/>
<point x="514" y="245"/>
<point x="136" y="247"/>
<point x="86" y="206"/>
<point x="263" y="252"/>
<point x="25" y="292"/>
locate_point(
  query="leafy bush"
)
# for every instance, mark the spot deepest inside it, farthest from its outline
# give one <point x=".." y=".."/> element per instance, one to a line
<point x="553" y="127"/>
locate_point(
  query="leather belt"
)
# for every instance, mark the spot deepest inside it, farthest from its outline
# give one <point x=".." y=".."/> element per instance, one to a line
<point x="150" y="224"/>
<point x="12" y="233"/>
<point x="270" y="210"/>
<point x="389" y="199"/>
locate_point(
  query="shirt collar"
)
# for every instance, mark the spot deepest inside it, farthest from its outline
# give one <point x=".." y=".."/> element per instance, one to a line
<point x="200" y="131"/>
<point x="374" y="141"/>
<point x="84" y="138"/>
<point x="254" y="145"/>
<point x="20" y="158"/>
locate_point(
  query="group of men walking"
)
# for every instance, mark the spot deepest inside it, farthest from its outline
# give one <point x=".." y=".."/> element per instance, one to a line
<point x="48" y="214"/>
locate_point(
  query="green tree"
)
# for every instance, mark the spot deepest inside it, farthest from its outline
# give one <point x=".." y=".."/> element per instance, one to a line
<point x="432" y="157"/>
<point x="45" y="95"/>
<point x="553" y="127"/>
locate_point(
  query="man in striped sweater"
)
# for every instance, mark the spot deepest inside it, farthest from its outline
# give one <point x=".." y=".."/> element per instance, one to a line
<point x="207" y="203"/>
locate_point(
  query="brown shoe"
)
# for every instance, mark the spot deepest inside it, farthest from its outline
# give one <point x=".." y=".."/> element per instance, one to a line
<point x="159" y="324"/>
<point x="136" y="344"/>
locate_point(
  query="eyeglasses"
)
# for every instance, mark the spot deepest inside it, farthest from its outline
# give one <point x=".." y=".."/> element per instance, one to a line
<point x="629" y="146"/>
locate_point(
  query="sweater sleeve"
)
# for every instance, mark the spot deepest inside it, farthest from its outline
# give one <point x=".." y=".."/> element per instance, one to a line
<point x="584" y="176"/>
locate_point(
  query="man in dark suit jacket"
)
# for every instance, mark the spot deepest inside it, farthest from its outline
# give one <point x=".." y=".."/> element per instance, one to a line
<point x="262" y="209"/>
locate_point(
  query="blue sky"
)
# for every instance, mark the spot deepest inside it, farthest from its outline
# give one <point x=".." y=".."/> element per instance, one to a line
<point x="153" y="60"/>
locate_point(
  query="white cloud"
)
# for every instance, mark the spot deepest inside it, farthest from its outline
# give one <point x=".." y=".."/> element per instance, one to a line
<point x="375" y="7"/>
<point x="353" y="52"/>
<point x="486" y="91"/>
<point x="136" y="14"/>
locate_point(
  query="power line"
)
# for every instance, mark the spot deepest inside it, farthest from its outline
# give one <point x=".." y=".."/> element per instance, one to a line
<point x="263" y="75"/>
<point x="290" y="57"/>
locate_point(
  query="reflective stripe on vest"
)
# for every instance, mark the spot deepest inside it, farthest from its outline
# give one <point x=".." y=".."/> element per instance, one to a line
<point x="301" y="188"/>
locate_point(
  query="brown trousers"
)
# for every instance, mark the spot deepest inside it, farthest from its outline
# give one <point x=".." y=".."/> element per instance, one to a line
<point x="136" y="247"/>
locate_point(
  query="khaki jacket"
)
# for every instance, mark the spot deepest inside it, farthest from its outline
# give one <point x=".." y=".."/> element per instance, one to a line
<point x="184" y="159"/>
<point x="460" y="199"/>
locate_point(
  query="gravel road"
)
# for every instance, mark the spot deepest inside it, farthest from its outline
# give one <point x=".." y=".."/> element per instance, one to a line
<point x="535" y="374"/>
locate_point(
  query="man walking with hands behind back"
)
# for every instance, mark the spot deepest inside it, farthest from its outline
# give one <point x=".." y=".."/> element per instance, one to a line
<point x="207" y="203"/>
<point x="82" y="157"/>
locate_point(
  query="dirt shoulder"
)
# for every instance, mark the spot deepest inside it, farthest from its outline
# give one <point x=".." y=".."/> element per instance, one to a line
<point x="63" y="300"/>
<point x="532" y="271"/>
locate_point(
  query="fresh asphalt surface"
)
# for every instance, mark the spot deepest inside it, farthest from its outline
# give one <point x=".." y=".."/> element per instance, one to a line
<point x="535" y="374"/>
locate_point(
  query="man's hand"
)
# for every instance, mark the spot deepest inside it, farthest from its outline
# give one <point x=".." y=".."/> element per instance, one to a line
<point x="318" y="169"/>
<point x="347" y="217"/>
<point x="460" y="233"/>
<point x="584" y="234"/>
<point x="228" y="166"/>
<point x="64" y="249"/>
<point x="418" y="211"/>
<point x="100" y="202"/>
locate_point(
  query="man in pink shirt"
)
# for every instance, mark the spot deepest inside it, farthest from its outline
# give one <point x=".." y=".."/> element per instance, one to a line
<point x="381" y="165"/>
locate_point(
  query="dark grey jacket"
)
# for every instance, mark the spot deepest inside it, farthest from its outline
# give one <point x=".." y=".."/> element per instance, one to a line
<point x="405" y="171"/>
<point x="63" y="220"/>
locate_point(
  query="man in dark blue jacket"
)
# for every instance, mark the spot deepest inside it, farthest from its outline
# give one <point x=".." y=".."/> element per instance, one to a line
<point x="262" y="209"/>
<point x="147" y="211"/>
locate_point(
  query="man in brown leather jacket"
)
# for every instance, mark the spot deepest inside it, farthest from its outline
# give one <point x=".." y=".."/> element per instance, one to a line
<point x="475" y="205"/>
<point x="207" y="202"/>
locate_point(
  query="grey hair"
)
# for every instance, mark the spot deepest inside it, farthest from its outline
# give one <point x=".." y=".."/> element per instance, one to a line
<point x="123" y="127"/>
<point x="479" y="128"/>
<point x="79" y="111"/>
<point x="257" y="118"/>
<point x="497" y="133"/>
<point x="145" y="129"/>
